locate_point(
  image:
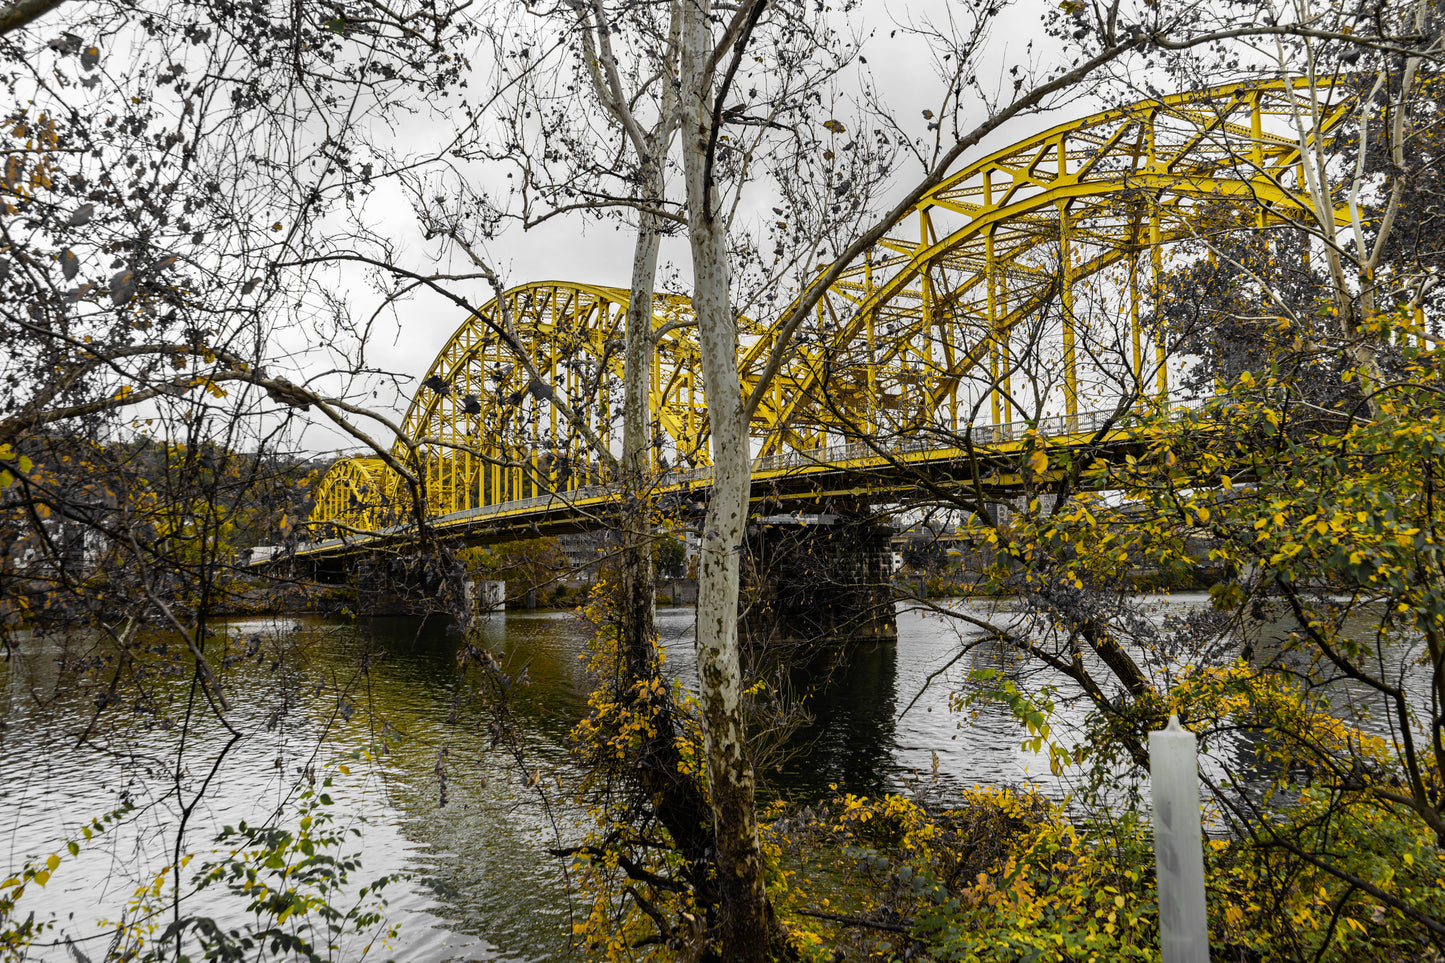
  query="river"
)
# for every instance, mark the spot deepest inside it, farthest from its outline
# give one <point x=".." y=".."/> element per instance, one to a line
<point x="428" y="793"/>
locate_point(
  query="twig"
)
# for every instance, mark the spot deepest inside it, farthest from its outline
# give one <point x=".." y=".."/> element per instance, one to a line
<point x="857" y="921"/>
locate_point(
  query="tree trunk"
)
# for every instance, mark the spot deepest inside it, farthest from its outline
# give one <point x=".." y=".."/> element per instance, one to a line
<point x="637" y="625"/>
<point x="747" y="925"/>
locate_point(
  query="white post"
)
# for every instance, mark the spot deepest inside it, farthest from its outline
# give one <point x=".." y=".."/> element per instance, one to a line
<point x="1178" y="846"/>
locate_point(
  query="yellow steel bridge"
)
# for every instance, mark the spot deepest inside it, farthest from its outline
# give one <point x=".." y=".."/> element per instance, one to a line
<point x="1014" y="296"/>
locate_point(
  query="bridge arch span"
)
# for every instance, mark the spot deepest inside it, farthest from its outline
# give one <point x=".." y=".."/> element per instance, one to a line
<point x="488" y="428"/>
<point x="995" y="261"/>
<point x="983" y="296"/>
<point x="355" y="494"/>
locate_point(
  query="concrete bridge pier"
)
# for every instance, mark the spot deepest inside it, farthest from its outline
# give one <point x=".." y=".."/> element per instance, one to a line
<point x="419" y="585"/>
<point x="817" y="578"/>
<point x="388" y="585"/>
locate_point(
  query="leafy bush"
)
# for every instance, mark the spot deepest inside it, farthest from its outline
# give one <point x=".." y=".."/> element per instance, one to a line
<point x="1005" y="876"/>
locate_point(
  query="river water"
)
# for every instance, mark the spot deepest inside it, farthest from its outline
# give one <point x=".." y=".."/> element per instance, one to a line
<point x="429" y="794"/>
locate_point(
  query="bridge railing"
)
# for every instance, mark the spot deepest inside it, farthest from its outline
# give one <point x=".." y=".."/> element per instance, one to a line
<point x="828" y="455"/>
<point x="904" y="445"/>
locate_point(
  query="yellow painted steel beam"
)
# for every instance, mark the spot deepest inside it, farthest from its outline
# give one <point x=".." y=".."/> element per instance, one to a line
<point x="932" y="308"/>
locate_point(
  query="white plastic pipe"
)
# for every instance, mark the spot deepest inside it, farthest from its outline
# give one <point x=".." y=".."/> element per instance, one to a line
<point x="1178" y="846"/>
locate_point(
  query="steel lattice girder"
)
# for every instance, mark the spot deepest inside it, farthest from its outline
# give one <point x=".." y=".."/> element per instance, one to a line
<point x="984" y="249"/>
<point x="354" y="495"/>
<point x="485" y="427"/>
<point x="934" y="303"/>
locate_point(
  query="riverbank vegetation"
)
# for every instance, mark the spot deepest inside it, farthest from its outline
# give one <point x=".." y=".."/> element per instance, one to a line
<point x="1312" y="678"/>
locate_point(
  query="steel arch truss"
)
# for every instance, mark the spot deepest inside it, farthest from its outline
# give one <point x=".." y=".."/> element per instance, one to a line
<point x="985" y="279"/>
<point x="520" y="399"/>
<point x="995" y="277"/>
<point x="356" y="494"/>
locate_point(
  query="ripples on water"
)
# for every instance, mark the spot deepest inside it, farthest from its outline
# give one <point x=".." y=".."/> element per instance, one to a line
<point x="482" y="887"/>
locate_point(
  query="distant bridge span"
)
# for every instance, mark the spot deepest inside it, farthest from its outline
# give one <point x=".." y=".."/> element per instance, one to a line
<point x="957" y="334"/>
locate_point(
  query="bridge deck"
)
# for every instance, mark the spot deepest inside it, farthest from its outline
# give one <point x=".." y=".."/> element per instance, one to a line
<point x="856" y="469"/>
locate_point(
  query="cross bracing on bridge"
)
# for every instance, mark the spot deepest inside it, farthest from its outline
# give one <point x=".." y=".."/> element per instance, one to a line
<point x="879" y="469"/>
<point x="970" y="316"/>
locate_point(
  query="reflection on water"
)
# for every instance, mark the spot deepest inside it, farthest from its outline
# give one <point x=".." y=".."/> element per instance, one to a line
<point x="307" y="694"/>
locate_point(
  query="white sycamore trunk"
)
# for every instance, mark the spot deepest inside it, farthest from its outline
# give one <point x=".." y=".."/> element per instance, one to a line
<point x="745" y="911"/>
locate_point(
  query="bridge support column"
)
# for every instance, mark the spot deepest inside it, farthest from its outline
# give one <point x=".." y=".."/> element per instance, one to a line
<point x="817" y="579"/>
<point x="393" y="586"/>
<point x="421" y="585"/>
